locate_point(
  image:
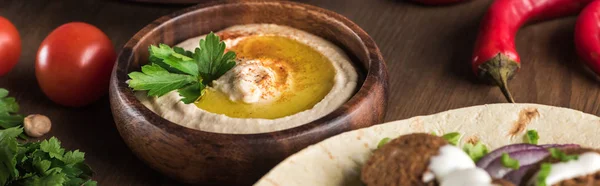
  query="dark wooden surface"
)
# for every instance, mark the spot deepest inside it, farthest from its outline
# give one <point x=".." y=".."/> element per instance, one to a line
<point x="427" y="50"/>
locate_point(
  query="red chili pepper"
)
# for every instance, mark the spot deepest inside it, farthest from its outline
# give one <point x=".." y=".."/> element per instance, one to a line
<point x="587" y="35"/>
<point x="438" y="2"/>
<point x="495" y="58"/>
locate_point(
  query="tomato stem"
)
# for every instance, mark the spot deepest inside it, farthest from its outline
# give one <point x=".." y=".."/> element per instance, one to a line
<point x="499" y="70"/>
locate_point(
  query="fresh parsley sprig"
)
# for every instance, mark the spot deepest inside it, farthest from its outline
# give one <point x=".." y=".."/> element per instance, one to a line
<point x="8" y="112"/>
<point x="40" y="163"/>
<point x="35" y="163"/>
<point x="187" y="72"/>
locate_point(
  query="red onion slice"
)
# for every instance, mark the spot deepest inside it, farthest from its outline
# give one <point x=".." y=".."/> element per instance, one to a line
<point x="560" y="146"/>
<point x="487" y="159"/>
<point x="525" y="157"/>
<point x="516" y="176"/>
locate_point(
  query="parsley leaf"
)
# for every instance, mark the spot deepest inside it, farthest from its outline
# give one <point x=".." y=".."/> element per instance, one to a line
<point x="509" y="162"/>
<point x="41" y="165"/>
<point x="545" y="169"/>
<point x="3" y="93"/>
<point x="85" y="169"/>
<point x="172" y="60"/>
<point x="8" y="108"/>
<point x="89" y="183"/>
<point x="476" y="151"/>
<point x="560" y="155"/>
<point x="191" y="93"/>
<point x="383" y="142"/>
<point x="73" y="157"/>
<point x="7" y="104"/>
<point x="212" y="63"/>
<point x="8" y="154"/>
<point x="9" y="121"/>
<point x="532" y="137"/>
<point x="184" y="52"/>
<point x="158" y="81"/>
<point x="55" y="179"/>
<point x="52" y="147"/>
<point x="452" y="138"/>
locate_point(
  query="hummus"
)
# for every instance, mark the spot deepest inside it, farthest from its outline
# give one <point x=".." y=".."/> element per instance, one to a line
<point x="256" y="82"/>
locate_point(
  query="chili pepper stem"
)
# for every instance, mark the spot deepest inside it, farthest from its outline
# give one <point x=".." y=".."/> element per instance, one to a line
<point x="498" y="71"/>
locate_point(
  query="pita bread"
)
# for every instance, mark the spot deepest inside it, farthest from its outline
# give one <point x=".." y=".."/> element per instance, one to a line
<point x="338" y="160"/>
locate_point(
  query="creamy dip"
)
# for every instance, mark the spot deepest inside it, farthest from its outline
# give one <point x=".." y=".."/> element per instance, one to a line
<point x="256" y="81"/>
<point x="252" y="81"/>
<point x="587" y="163"/>
<point x="453" y="167"/>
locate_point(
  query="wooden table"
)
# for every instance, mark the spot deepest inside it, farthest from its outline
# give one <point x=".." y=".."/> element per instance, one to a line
<point x="427" y="50"/>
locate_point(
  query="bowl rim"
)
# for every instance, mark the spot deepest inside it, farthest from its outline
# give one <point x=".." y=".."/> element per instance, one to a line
<point x="376" y="72"/>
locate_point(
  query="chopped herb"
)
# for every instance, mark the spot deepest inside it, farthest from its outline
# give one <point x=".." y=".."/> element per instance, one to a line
<point x="532" y="137"/>
<point x="8" y="109"/>
<point x="452" y="138"/>
<point x="185" y="71"/>
<point x="509" y="162"/>
<point x="560" y="155"/>
<point x="543" y="174"/>
<point x="476" y="151"/>
<point x="40" y="163"/>
<point x="383" y="142"/>
<point x="433" y="133"/>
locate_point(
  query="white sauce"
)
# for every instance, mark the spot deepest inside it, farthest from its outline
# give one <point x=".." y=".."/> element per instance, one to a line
<point x="471" y="176"/>
<point x="250" y="81"/>
<point x="587" y="163"/>
<point x="453" y="167"/>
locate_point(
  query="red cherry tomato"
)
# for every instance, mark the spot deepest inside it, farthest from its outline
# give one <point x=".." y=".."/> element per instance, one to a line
<point x="10" y="46"/>
<point x="74" y="63"/>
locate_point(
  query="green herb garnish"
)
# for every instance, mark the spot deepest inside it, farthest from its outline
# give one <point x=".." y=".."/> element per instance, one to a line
<point x="560" y="155"/>
<point x="509" y="162"/>
<point x="40" y="163"/>
<point x="476" y="151"/>
<point x="8" y="112"/>
<point x="532" y="137"/>
<point x="452" y="138"/>
<point x="383" y="142"/>
<point x="543" y="174"/>
<point x="188" y="72"/>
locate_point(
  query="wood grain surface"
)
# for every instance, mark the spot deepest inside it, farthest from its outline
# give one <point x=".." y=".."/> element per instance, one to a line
<point x="427" y="50"/>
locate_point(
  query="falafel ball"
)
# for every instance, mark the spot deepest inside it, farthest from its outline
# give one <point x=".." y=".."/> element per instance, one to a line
<point x="402" y="161"/>
<point x="587" y="180"/>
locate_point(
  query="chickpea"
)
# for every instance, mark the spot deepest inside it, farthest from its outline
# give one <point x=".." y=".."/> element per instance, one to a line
<point x="36" y="125"/>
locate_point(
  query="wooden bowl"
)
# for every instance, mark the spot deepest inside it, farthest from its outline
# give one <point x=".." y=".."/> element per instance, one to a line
<point x="168" y="1"/>
<point x="198" y="157"/>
